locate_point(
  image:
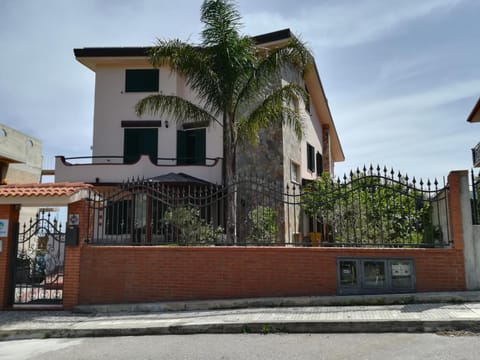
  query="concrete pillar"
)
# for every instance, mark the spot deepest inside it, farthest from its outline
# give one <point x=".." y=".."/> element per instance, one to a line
<point x="463" y="221"/>
<point x="71" y="285"/>
<point x="10" y="213"/>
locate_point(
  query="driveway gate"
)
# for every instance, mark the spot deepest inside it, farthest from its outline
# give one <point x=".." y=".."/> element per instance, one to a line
<point x="38" y="262"/>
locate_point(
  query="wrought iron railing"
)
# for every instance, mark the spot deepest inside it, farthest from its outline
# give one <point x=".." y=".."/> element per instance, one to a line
<point x="379" y="208"/>
<point x="369" y="208"/>
<point x="161" y="161"/>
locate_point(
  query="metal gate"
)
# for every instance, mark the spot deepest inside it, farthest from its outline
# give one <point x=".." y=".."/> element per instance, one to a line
<point x="38" y="262"/>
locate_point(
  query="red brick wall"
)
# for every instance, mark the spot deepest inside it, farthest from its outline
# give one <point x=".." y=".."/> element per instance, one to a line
<point x="11" y="213"/>
<point x="145" y="274"/>
<point x="455" y="207"/>
<point x="71" y="286"/>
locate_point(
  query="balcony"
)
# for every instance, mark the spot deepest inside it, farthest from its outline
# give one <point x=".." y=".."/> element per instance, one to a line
<point x="476" y="155"/>
<point x="112" y="169"/>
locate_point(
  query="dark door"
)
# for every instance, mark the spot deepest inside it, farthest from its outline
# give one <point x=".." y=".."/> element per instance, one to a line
<point x="139" y="142"/>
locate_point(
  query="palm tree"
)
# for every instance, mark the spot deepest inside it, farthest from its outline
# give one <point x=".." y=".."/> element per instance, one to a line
<point x="239" y="85"/>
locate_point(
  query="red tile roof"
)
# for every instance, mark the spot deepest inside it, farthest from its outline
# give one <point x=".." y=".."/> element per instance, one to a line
<point x="42" y="190"/>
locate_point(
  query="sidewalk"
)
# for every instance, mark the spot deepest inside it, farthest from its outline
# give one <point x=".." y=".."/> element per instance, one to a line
<point x="415" y="317"/>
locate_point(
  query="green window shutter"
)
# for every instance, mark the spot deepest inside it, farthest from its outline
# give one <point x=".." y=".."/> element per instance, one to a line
<point x="130" y="147"/>
<point x="142" y="80"/>
<point x="310" y="157"/>
<point x="200" y="147"/>
<point x="319" y="164"/>
<point x="137" y="142"/>
<point x="191" y="147"/>
<point x="181" y="147"/>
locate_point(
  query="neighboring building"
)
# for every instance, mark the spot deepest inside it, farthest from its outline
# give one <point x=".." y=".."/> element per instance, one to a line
<point x="20" y="163"/>
<point x="126" y="147"/>
<point x="475" y="117"/>
<point x="20" y="157"/>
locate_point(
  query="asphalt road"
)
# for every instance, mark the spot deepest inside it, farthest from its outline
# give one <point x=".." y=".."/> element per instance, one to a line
<point x="251" y="346"/>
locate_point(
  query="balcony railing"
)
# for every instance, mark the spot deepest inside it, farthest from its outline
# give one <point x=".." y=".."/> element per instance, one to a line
<point x="114" y="169"/>
<point x="476" y="155"/>
<point x="107" y="160"/>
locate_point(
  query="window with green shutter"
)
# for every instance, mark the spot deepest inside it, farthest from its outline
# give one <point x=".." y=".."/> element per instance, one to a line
<point x="310" y="157"/>
<point x="191" y="147"/>
<point x="137" y="142"/>
<point x="141" y="80"/>
<point x="319" y="164"/>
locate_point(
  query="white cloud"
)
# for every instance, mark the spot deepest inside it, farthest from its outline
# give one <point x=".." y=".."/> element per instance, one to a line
<point x="346" y="23"/>
<point x="420" y="102"/>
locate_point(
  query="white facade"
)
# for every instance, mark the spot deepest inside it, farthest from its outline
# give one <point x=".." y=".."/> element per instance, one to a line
<point x="114" y="112"/>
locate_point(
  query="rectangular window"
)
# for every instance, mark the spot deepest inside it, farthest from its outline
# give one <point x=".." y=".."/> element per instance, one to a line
<point x="310" y="157"/>
<point x="191" y="147"/>
<point x="118" y="217"/>
<point x="319" y="164"/>
<point x="294" y="172"/>
<point x="142" y="80"/>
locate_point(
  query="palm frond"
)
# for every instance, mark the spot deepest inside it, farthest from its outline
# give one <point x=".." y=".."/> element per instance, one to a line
<point x="294" y="56"/>
<point x="179" y="109"/>
<point x="194" y="65"/>
<point x="274" y="110"/>
<point x="222" y="21"/>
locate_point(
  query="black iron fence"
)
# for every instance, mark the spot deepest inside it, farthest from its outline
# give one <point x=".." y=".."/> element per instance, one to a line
<point x="379" y="208"/>
<point x="369" y="208"/>
<point x="38" y="262"/>
<point x="475" y="198"/>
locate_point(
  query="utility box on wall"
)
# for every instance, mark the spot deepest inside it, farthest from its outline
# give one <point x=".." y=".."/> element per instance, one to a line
<point x="375" y="275"/>
<point x="71" y="236"/>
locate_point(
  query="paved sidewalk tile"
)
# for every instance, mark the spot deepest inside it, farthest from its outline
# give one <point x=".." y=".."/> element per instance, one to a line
<point x="410" y="317"/>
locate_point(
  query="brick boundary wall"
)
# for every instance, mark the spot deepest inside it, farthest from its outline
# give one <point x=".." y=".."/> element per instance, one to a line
<point x="147" y="274"/>
<point x="10" y="212"/>
<point x="96" y="275"/>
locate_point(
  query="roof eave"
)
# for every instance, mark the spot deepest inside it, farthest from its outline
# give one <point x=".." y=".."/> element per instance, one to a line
<point x="475" y="114"/>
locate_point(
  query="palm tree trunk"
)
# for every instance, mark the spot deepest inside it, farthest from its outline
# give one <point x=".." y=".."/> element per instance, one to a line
<point x="229" y="178"/>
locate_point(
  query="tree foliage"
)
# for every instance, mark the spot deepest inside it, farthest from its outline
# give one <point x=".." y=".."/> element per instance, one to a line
<point x="190" y="227"/>
<point x="263" y="225"/>
<point x="238" y="85"/>
<point x="372" y="210"/>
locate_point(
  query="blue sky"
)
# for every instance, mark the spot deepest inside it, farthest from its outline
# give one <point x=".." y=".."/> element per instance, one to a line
<point x="401" y="76"/>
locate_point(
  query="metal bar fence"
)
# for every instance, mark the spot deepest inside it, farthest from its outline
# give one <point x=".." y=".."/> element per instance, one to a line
<point x="369" y="208"/>
<point x="475" y="200"/>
